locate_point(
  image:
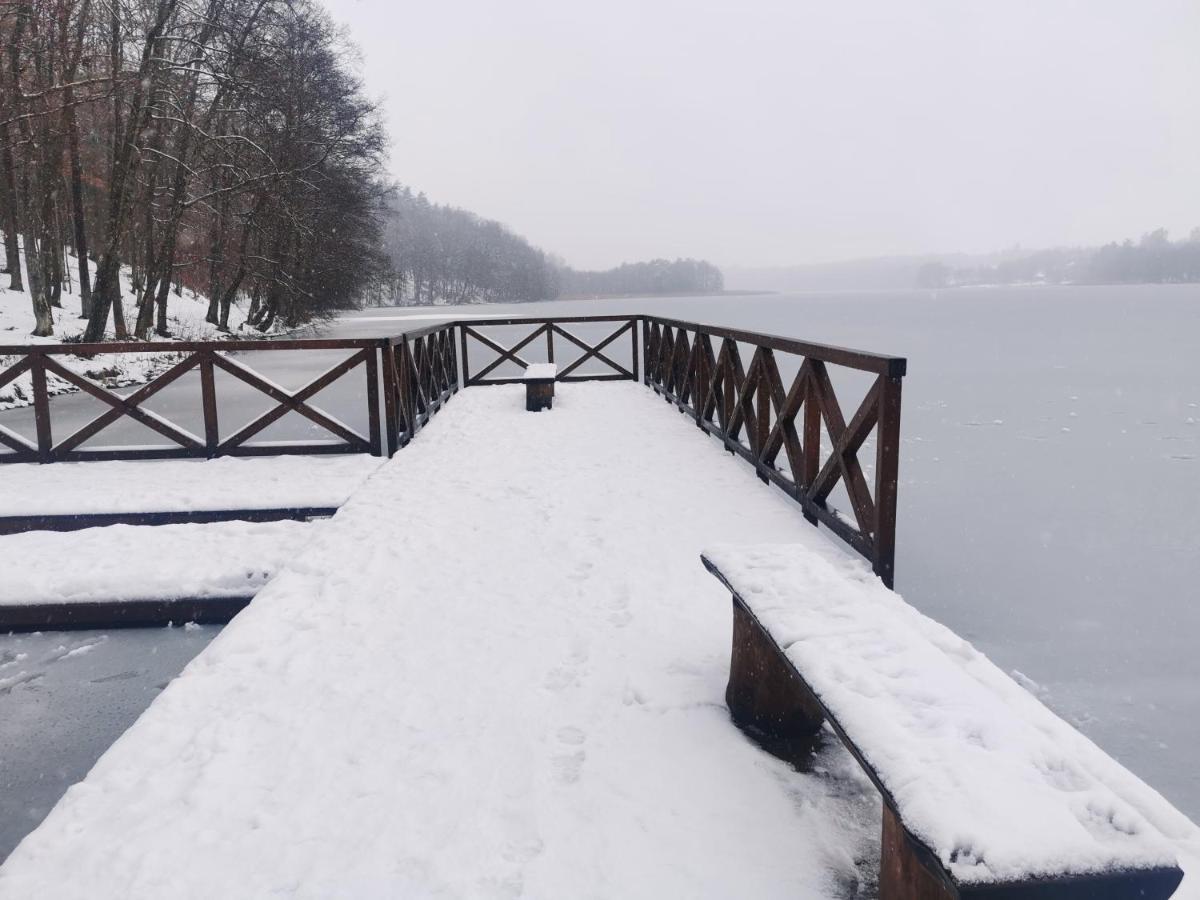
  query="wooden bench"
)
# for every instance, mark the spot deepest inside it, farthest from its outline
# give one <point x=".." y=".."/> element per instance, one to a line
<point x="986" y="793"/>
<point x="539" y="386"/>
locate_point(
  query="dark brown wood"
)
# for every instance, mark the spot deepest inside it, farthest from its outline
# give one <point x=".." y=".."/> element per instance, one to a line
<point x="887" y="460"/>
<point x="391" y="397"/>
<point x="41" y="408"/>
<point x="77" y="522"/>
<point x="122" y="407"/>
<point x="208" y="399"/>
<point x="120" y="614"/>
<point x="749" y="411"/>
<point x="371" y="364"/>
<point x="903" y="873"/>
<point x="293" y="402"/>
<point x="476" y="330"/>
<point x="842" y="356"/>
<point x="764" y="695"/>
<point x="539" y="394"/>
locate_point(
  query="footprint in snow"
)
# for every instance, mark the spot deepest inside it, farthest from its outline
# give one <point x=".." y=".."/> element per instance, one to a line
<point x="568" y="767"/>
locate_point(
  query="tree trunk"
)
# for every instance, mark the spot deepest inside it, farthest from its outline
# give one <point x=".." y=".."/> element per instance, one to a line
<point x="12" y="227"/>
<point x="80" y="227"/>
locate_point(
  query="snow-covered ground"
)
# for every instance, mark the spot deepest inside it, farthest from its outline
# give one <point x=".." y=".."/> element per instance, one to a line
<point x="257" y="482"/>
<point x="146" y="562"/>
<point x="185" y="314"/>
<point x="498" y="671"/>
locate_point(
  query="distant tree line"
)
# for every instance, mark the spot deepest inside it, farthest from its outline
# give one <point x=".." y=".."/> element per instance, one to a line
<point x="1152" y="260"/>
<point x="222" y="144"/>
<point x="441" y="254"/>
<point x="658" y="276"/>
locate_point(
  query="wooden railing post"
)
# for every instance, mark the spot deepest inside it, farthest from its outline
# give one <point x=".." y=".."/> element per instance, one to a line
<point x="633" y="346"/>
<point x="391" y="424"/>
<point x="41" y="407"/>
<point x="371" y="364"/>
<point x="208" y="399"/>
<point x="466" y="366"/>
<point x="887" y="475"/>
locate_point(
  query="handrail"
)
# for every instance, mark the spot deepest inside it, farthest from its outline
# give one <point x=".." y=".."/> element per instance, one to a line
<point x="749" y="409"/>
<point x="413" y="374"/>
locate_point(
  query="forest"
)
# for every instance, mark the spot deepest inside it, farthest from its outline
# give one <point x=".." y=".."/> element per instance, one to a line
<point x="222" y="144"/>
<point x="228" y="146"/>
<point x="442" y="254"/>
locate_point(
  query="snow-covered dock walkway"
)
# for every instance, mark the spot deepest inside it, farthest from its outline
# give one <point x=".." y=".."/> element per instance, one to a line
<point x="498" y="671"/>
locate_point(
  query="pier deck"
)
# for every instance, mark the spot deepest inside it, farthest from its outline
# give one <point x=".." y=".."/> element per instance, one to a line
<point x="497" y="670"/>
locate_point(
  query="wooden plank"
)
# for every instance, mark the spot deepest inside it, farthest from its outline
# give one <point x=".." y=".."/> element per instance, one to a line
<point x="16" y="370"/>
<point x="372" y="368"/>
<point x="126" y="407"/>
<point x="208" y="399"/>
<point x="887" y="478"/>
<point x="119" y="410"/>
<point x="120" y="614"/>
<point x="76" y="522"/>
<point x="41" y="409"/>
<point x="291" y="402"/>
<point x="843" y="356"/>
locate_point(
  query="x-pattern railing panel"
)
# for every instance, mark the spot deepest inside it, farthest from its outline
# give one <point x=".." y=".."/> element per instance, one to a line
<point x="759" y="417"/>
<point x="730" y="380"/>
<point x="206" y="357"/>
<point x="555" y="331"/>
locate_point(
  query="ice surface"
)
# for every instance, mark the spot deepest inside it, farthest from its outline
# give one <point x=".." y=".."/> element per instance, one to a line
<point x="145" y="562"/>
<point x="497" y="671"/>
<point x="995" y="783"/>
<point x="181" y="485"/>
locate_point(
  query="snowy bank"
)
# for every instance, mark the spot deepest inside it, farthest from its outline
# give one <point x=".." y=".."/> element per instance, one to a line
<point x="185" y="316"/>
<point x="131" y="562"/>
<point x="226" y="483"/>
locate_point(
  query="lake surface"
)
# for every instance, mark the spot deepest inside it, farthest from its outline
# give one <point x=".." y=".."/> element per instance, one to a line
<point x="1049" y="509"/>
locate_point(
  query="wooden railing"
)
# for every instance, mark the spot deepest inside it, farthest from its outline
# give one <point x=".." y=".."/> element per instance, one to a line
<point x="779" y="411"/>
<point x="420" y="376"/>
<point x="748" y="407"/>
<point x="206" y="358"/>
<point x="481" y="334"/>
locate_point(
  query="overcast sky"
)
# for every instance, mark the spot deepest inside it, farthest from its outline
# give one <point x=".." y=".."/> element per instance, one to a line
<point x="770" y="133"/>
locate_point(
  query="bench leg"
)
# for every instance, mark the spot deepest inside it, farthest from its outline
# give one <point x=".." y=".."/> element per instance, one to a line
<point x="765" y="695"/>
<point x="539" y="395"/>
<point x="902" y="873"/>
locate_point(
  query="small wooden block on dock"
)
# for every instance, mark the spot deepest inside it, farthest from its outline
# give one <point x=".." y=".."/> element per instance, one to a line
<point x="539" y="386"/>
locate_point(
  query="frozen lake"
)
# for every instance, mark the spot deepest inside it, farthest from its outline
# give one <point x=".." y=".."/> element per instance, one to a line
<point x="1050" y="478"/>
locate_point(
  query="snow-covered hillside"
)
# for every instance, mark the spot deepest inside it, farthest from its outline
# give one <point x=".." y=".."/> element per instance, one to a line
<point x="185" y="314"/>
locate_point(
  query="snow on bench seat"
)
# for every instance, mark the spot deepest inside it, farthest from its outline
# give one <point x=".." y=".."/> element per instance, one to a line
<point x="494" y="673"/>
<point x="145" y="562"/>
<point x="540" y="370"/>
<point x="995" y="784"/>
<point x="226" y="483"/>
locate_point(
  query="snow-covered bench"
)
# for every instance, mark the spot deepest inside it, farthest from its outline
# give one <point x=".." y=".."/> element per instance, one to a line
<point x="986" y="793"/>
<point x="539" y="386"/>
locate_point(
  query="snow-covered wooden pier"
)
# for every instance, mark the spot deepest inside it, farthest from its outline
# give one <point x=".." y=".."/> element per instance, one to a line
<point x="499" y="670"/>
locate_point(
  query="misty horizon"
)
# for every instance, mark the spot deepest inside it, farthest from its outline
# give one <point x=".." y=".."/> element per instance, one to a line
<point x="777" y="134"/>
